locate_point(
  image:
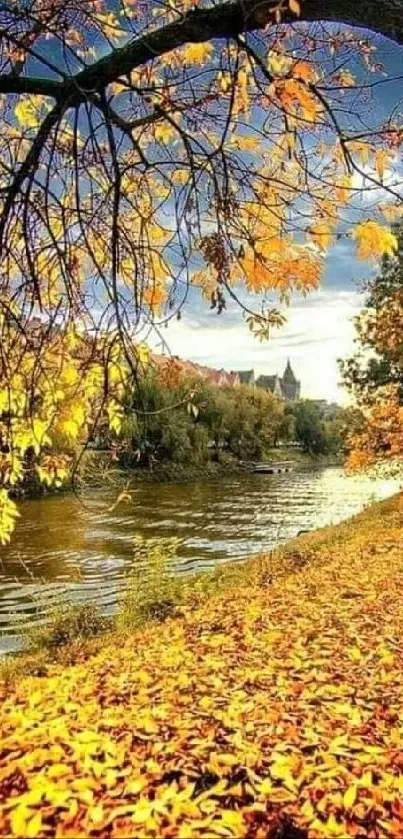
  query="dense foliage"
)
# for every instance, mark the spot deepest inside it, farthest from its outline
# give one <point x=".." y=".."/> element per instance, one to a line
<point x="272" y="709"/>
<point x="374" y="375"/>
<point x="149" y="147"/>
<point x="163" y="424"/>
<point x="318" y="430"/>
<point x="174" y="418"/>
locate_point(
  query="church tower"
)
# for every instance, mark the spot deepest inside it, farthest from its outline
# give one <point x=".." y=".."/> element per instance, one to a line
<point x="290" y="386"/>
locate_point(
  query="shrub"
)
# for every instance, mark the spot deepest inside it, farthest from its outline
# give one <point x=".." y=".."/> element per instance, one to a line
<point x="77" y="622"/>
<point x="153" y="592"/>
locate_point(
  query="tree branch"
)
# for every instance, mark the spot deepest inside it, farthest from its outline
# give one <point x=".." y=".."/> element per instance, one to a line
<point x="29" y="165"/>
<point x="226" y="20"/>
<point x="230" y="19"/>
<point x="11" y="83"/>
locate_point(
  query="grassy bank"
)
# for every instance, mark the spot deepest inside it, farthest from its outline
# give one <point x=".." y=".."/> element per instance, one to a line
<point x="268" y="708"/>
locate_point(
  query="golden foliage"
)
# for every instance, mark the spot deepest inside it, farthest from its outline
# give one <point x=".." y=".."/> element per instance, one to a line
<point x="29" y="111"/>
<point x="8" y="515"/>
<point x="59" y="389"/>
<point x="272" y="707"/>
<point x="374" y="240"/>
<point x="381" y="440"/>
<point x="197" y="53"/>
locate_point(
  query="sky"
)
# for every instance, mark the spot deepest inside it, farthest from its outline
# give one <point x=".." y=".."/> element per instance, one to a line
<point x="319" y="328"/>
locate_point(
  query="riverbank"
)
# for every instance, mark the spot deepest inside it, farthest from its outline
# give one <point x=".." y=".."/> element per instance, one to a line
<point x="97" y="466"/>
<point x="228" y="466"/>
<point x="267" y="708"/>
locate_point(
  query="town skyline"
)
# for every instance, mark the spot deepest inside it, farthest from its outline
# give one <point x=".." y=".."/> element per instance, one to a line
<point x="318" y="331"/>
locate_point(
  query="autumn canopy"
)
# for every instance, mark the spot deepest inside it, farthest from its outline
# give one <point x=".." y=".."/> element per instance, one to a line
<point x="148" y="147"/>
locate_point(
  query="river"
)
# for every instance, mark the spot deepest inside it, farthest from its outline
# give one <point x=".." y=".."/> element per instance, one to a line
<point x="70" y="549"/>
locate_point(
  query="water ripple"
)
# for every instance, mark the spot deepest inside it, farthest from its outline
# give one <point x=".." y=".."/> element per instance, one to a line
<point x="67" y="551"/>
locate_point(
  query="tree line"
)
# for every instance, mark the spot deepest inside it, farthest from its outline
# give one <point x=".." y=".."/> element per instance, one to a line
<point x="191" y="422"/>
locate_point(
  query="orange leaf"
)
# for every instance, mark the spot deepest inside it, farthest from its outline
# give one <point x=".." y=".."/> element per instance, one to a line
<point x="295" y="8"/>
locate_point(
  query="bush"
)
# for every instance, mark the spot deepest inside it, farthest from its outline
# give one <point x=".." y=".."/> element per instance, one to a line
<point x="153" y="593"/>
<point x="77" y="622"/>
<point x="187" y="420"/>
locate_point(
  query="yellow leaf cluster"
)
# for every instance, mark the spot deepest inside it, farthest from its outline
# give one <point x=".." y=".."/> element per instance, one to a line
<point x="54" y="469"/>
<point x="297" y="99"/>
<point x="164" y="132"/>
<point x="49" y="405"/>
<point x="374" y="240"/>
<point x="321" y="234"/>
<point x="115" y="415"/>
<point x="197" y="53"/>
<point x="30" y="110"/>
<point x="282" y="265"/>
<point x="381" y="439"/>
<point x="8" y="515"/>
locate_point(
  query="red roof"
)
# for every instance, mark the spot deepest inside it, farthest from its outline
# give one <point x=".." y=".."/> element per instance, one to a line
<point x="219" y="378"/>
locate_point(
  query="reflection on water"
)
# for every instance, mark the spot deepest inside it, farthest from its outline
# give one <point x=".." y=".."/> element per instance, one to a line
<point x="71" y="549"/>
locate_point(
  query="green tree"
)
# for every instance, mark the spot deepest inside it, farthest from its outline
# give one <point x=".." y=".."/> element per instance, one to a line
<point x="310" y="430"/>
<point x="378" y="363"/>
<point x="188" y="420"/>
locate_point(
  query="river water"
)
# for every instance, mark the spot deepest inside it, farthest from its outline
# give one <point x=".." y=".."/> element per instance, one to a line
<point x="70" y="549"/>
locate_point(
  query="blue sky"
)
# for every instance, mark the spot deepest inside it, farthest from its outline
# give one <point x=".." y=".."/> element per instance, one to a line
<point x="319" y="328"/>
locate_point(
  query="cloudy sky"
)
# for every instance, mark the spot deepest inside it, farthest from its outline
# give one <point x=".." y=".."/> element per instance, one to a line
<point x="319" y="329"/>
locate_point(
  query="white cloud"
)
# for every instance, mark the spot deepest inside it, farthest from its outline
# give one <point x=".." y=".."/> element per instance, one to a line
<point x="319" y="330"/>
<point x="371" y="192"/>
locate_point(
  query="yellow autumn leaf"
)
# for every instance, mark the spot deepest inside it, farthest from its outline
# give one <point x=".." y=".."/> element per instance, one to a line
<point x="96" y="814"/>
<point x="278" y="63"/>
<point x="58" y="770"/>
<point x="70" y="428"/>
<point x="266" y="787"/>
<point x="8" y="515"/>
<point x="115" y="415"/>
<point x="321" y="234"/>
<point x="355" y="653"/>
<point x="381" y="161"/>
<point x="233" y="821"/>
<point x="374" y="240"/>
<point x="28" y="111"/>
<point x="164" y="133"/>
<point x="19" y="818"/>
<point x="197" y="53"/>
<point x="350" y="796"/>
<point x="34" y="826"/>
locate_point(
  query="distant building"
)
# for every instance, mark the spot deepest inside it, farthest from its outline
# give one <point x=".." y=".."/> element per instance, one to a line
<point x="272" y="384"/>
<point x="178" y="366"/>
<point x="290" y="386"/>
<point x="246" y="377"/>
<point x="286" y="387"/>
